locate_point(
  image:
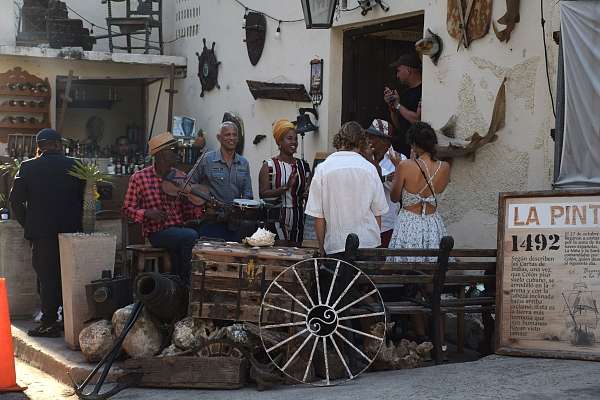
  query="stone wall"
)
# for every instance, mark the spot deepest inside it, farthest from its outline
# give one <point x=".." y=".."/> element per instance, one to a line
<point x="15" y="266"/>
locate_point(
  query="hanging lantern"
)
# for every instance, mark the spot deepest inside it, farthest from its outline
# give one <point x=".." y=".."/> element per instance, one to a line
<point x="318" y="14"/>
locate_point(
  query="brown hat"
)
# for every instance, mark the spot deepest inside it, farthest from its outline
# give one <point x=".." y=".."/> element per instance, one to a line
<point x="409" y="59"/>
<point x="161" y="142"/>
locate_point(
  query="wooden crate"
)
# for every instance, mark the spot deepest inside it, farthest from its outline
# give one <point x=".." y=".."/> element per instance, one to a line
<point x="190" y="372"/>
<point x="229" y="280"/>
<point x="236" y="252"/>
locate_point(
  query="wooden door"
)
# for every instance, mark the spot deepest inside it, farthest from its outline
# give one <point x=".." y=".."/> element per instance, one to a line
<point x="366" y="73"/>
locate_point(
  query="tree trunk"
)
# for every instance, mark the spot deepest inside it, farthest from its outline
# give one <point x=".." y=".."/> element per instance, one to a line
<point x="89" y="208"/>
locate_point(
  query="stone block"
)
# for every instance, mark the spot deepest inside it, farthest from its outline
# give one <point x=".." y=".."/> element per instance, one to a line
<point x="83" y="257"/>
<point x="15" y="266"/>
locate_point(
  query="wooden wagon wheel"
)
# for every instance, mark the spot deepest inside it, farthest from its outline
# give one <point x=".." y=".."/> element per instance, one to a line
<point x="327" y="305"/>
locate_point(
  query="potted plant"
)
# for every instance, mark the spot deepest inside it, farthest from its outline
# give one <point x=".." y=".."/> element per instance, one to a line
<point x="91" y="175"/>
<point x="83" y="256"/>
<point x="8" y="171"/>
<point x="10" y="168"/>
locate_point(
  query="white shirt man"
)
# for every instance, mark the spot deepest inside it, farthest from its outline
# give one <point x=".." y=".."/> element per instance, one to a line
<point x="346" y="192"/>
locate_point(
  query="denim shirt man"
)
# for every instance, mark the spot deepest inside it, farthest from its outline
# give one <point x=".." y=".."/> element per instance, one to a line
<point x="227" y="175"/>
<point x="226" y="182"/>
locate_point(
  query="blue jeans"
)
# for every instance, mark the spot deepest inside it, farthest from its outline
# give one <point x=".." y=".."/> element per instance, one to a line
<point x="218" y="230"/>
<point x="179" y="242"/>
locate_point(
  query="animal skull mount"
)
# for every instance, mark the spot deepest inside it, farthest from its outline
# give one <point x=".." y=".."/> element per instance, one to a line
<point x="431" y="45"/>
<point x="367" y="5"/>
<point x="208" y="68"/>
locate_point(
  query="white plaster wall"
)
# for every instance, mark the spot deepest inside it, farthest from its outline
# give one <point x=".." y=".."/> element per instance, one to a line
<point x="8" y="22"/>
<point x="283" y="60"/>
<point x="464" y="83"/>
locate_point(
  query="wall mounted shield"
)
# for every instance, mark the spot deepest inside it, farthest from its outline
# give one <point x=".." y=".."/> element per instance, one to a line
<point x="256" y="32"/>
<point x="208" y="68"/>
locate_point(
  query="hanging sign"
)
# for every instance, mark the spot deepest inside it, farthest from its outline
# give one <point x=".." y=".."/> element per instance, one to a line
<point x="548" y="294"/>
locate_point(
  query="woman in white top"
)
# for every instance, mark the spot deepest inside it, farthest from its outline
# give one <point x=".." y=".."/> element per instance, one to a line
<point x="417" y="183"/>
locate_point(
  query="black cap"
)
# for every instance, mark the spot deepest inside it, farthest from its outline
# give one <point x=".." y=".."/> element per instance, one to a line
<point x="47" y="134"/>
<point x="409" y="59"/>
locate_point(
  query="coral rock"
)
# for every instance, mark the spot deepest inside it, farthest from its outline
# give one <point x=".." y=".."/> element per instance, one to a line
<point x="96" y="340"/>
<point x="144" y="339"/>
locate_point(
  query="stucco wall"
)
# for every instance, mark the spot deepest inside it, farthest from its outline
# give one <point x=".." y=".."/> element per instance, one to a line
<point x="464" y="83"/>
<point x="284" y="59"/>
<point x="8" y="22"/>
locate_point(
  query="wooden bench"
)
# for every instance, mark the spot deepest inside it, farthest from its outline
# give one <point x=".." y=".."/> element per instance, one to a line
<point x="453" y="271"/>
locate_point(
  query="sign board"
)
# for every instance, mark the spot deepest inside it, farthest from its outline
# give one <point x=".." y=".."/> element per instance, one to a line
<point x="184" y="127"/>
<point x="548" y="292"/>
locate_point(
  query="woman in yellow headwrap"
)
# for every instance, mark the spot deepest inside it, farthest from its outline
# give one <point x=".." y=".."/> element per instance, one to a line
<point x="284" y="180"/>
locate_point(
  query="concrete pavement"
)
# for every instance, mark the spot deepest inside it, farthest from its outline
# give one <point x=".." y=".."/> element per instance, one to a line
<point x="493" y="377"/>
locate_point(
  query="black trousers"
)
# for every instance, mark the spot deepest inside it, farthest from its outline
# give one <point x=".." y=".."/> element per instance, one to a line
<point x="46" y="263"/>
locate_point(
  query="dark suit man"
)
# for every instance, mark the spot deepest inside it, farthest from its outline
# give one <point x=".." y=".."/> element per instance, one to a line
<point x="46" y="201"/>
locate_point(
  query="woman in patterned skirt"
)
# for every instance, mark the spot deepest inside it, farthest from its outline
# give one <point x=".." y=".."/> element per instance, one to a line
<point x="417" y="183"/>
<point x="284" y="181"/>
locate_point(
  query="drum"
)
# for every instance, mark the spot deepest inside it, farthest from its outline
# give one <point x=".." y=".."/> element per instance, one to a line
<point x="247" y="203"/>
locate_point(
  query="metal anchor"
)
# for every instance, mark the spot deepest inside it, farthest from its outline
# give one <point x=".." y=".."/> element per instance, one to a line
<point x="106" y="364"/>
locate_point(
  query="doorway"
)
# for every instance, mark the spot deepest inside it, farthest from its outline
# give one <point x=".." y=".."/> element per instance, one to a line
<point x="368" y="52"/>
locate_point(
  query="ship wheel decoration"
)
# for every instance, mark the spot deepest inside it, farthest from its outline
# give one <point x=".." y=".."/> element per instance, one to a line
<point x="322" y="321"/>
<point x="208" y="68"/>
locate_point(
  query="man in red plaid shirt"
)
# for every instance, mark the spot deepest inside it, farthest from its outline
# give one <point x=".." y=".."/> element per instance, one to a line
<point x="162" y="217"/>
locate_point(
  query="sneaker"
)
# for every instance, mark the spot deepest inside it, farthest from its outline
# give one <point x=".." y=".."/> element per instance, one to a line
<point x="45" y="330"/>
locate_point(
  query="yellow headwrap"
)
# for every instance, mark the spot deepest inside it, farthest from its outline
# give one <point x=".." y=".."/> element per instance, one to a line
<point x="280" y="128"/>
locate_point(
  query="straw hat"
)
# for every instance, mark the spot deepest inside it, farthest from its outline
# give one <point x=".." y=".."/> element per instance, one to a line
<point x="161" y="142"/>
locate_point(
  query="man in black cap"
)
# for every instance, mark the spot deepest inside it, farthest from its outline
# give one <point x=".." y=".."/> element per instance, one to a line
<point x="47" y="201"/>
<point x="405" y="109"/>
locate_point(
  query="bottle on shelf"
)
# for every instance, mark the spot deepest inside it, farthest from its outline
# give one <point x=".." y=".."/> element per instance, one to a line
<point x="4" y="214"/>
<point x="110" y="168"/>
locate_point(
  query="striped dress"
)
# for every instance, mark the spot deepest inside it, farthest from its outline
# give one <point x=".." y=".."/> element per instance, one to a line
<point x="291" y="220"/>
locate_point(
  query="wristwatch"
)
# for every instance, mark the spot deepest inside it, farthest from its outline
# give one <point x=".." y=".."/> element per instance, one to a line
<point x="397" y="107"/>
